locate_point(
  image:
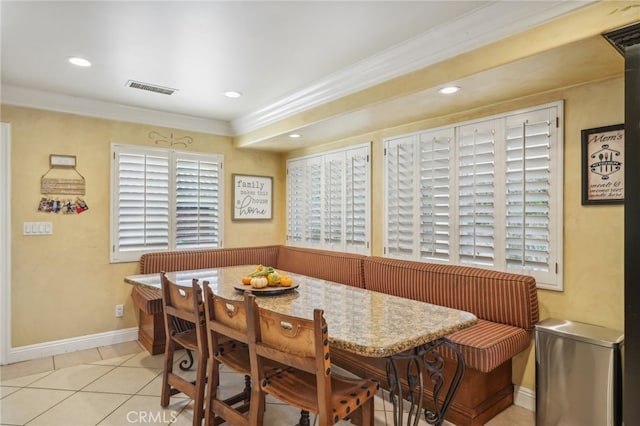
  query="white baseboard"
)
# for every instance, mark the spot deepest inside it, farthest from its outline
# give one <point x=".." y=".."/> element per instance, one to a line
<point x="57" y="347"/>
<point x="525" y="398"/>
<point x="522" y="397"/>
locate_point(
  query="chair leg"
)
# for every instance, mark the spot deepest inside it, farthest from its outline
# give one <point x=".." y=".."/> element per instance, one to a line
<point x="257" y="406"/>
<point x="367" y="415"/>
<point x="166" y="371"/>
<point x="213" y="381"/>
<point x="201" y="379"/>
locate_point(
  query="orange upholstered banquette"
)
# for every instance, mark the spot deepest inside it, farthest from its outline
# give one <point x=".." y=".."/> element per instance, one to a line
<point x="506" y="306"/>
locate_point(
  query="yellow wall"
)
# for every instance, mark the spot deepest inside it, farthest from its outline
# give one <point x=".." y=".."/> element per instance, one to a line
<point x="63" y="285"/>
<point x="593" y="235"/>
<point x="67" y="278"/>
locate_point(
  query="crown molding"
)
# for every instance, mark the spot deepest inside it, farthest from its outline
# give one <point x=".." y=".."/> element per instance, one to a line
<point x="466" y="33"/>
<point x="20" y="96"/>
<point x="469" y="32"/>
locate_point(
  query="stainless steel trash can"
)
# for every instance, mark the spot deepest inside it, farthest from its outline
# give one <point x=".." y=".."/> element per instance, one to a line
<point x="578" y="374"/>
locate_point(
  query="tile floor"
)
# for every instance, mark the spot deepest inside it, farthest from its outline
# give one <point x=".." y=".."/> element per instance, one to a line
<point x="120" y="385"/>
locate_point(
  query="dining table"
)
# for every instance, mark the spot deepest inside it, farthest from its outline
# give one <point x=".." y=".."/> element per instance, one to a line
<point x="360" y="321"/>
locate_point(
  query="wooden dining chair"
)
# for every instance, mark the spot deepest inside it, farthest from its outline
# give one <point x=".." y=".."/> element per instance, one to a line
<point x="184" y="305"/>
<point x="226" y="324"/>
<point x="308" y="383"/>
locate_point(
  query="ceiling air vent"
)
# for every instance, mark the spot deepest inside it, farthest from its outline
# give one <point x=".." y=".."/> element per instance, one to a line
<point x="150" y="87"/>
<point x="624" y="37"/>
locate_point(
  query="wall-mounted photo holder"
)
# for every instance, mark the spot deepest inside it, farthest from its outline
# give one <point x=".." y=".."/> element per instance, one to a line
<point x="252" y="197"/>
<point x="603" y="165"/>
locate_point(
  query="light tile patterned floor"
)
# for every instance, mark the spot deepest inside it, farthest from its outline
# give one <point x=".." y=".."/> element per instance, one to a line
<point x="120" y="385"/>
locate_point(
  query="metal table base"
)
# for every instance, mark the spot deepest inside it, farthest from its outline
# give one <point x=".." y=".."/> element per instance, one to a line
<point x="423" y="359"/>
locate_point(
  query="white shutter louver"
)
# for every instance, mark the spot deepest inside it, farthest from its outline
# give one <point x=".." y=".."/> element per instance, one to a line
<point x="528" y="198"/>
<point x="328" y="200"/>
<point x="400" y="197"/>
<point x="435" y="195"/>
<point x="476" y="193"/>
<point x="488" y="193"/>
<point x="164" y="200"/>
<point x="295" y="201"/>
<point x="333" y="199"/>
<point x="357" y="200"/>
<point x="313" y="205"/>
<point x="143" y="201"/>
<point x="197" y="219"/>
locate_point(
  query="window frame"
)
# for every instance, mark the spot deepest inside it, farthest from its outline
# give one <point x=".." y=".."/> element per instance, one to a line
<point x="551" y="279"/>
<point x="173" y="157"/>
<point x="320" y="238"/>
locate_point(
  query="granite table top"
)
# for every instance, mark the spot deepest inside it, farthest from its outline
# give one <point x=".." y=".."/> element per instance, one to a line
<point x="361" y="321"/>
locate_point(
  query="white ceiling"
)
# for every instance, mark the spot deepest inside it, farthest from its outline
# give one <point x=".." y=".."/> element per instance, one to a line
<point x="284" y="57"/>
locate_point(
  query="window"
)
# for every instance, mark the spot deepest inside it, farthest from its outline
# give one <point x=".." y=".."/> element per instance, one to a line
<point x="164" y="200"/>
<point x="328" y="200"/>
<point x="486" y="193"/>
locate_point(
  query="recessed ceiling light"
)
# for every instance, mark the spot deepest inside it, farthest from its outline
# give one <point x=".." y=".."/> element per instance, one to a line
<point x="232" y="94"/>
<point x="448" y="90"/>
<point x="295" y="135"/>
<point x="81" y="62"/>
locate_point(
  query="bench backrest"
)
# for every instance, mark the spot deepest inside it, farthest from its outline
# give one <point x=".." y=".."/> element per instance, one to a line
<point x="344" y="268"/>
<point x="210" y="258"/>
<point x="494" y="296"/>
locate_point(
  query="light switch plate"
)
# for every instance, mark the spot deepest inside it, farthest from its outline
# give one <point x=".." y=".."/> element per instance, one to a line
<point x="37" y="228"/>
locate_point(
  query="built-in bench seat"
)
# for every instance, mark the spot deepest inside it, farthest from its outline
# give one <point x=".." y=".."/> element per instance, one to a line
<point x="507" y="309"/>
<point x="506" y="306"/>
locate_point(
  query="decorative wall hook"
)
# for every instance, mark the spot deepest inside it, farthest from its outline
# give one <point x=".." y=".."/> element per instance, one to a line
<point x="170" y="140"/>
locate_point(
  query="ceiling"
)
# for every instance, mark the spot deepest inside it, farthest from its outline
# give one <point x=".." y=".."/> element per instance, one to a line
<point x="284" y="57"/>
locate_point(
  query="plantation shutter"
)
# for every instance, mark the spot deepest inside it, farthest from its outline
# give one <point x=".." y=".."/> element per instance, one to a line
<point x="295" y="201"/>
<point x="486" y="193"/>
<point x="357" y="214"/>
<point x="401" y="183"/>
<point x="197" y="209"/>
<point x="435" y="194"/>
<point x="476" y="193"/>
<point x="141" y="208"/>
<point x="313" y="201"/>
<point x="164" y="200"/>
<point x="528" y="239"/>
<point x="333" y="185"/>
<point x="328" y="200"/>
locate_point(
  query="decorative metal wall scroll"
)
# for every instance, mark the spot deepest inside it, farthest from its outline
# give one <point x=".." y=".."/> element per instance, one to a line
<point x="170" y="140"/>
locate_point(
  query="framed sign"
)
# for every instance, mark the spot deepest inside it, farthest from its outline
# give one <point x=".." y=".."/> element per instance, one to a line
<point x="252" y="197"/>
<point x="603" y="165"/>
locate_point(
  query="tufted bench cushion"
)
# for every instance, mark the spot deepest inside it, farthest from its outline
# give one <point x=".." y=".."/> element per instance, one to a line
<point x="149" y="300"/>
<point x="486" y="345"/>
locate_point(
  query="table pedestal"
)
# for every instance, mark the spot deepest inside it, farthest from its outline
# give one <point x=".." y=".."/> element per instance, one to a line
<point x="423" y="359"/>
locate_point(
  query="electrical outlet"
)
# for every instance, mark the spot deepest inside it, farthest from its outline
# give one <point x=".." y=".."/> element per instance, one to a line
<point x="119" y="311"/>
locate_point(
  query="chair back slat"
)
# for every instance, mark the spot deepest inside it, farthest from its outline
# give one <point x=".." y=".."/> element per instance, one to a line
<point x="230" y="315"/>
<point x="183" y="311"/>
<point x="226" y="324"/>
<point x="183" y="307"/>
<point x="306" y="382"/>
<point x="292" y="335"/>
<point x="291" y="341"/>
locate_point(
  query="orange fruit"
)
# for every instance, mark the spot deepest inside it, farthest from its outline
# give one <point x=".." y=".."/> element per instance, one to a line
<point x="285" y="281"/>
<point x="246" y="280"/>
